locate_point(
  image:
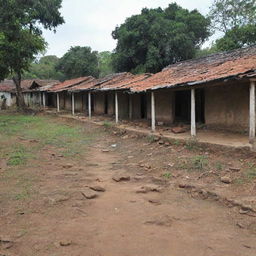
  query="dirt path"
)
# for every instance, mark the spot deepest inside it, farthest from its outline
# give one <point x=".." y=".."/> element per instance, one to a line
<point x="60" y="221"/>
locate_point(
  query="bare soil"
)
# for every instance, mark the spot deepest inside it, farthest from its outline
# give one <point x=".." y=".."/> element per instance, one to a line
<point x="146" y="215"/>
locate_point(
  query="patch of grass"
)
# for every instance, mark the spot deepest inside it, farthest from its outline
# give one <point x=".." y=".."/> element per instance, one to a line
<point x="150" y="138"/>
<point x="107" y="124"/>
<point x="251" y="172"/>
<point x="17" y="157"/>
<point x="192" y="145"/>
<point x="177" y="142"/>
<point x="199" y="162"/>
<point x="167" y="175"/>
<point x="219" y="166"/>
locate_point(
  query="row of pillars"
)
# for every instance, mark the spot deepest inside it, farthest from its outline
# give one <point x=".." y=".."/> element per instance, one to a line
<point x="252" y="114"/>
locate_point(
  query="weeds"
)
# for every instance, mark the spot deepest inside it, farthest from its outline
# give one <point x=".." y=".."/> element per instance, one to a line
<point x="107" y="124"/>
<point x="218" y="166"/>
<point x="167" y="175"/>
<point x="251" y="172"/>
<point x="18" y="157"/>
<point x="199" y="162"/>
<point x="150" y="138"/>
<point x="192" y="145"/>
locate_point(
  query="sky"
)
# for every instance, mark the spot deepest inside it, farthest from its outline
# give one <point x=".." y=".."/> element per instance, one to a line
<point x="90" y="22"/>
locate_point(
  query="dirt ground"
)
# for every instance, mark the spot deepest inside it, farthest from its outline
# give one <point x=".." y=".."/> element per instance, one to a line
<point x="171" y="202"/>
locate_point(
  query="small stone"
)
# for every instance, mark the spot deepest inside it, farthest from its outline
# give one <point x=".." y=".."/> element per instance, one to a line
<point x="98" y="188"/>
<point x="89" y="194"/>
<point x="65" y="243"/>
<point x="167" y="144"/>
<point x="226" y="179"/>
<point x="114" y="145"/>
<point x="156" y="139"/>
<point x="243" y="211"/>
<point x="154" y="201"/>
<point x="234" y="169"/>
<point x="161" y="142"/>
<point x="130" y="157"/>
<point x="67" y="166"/>
<point x="105" y="150"/>
<point x="146" y="189"/>
<point x="178" y="130"/>
<point x="121" y="177"/>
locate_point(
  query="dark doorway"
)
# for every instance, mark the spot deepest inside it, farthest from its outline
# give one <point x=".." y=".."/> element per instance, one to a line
<point x="200" y="106"/>
<point x="92" y="102"/>
<point x="50" y="102"/>
<point x="105" y="103"/>
<point x="183" y="106"/>
<point x="143" y="106"/>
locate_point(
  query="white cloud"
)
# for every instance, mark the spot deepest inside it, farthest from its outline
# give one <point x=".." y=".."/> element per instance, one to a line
<point x="90" y="22"/>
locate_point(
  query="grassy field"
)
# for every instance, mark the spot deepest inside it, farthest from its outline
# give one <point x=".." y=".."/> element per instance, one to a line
<point x="25" y="138"/>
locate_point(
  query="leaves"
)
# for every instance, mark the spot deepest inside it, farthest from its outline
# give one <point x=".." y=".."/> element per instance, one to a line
<point x="156" y="38"/>
<point x="79" y="61"/>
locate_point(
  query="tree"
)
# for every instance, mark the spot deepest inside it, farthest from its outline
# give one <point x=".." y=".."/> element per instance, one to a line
<point x="229" y="14"/>
<point x="45" y="68"/>
<point x="79" y="61"/>
<point x="156" y="38"/>
<point x="237" y="37"/>
<point x="105" y="63"/>
<point x="237" y="20"/>
<point x="21" y="23"/>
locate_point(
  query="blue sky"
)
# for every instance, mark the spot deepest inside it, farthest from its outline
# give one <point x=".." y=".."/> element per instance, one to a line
<point x="90" y="22"/>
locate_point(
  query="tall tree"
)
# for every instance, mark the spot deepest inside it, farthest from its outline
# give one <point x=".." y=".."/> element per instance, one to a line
<point x="237" y="20"/>
<point x="21" y="23"/>
<point x="79" y="61"/>
<point x="229" y="14"/>
<point x="45" y="68"/>
<point x="156" y="38"/>
<point x="105" y="63"/>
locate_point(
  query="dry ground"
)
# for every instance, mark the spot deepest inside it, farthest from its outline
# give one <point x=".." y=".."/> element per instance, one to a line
<point x="47" y="166"/>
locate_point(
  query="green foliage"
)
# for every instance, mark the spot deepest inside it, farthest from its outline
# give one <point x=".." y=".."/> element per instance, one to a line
<point x="17" y="157"/>
<point x="199" y="162"/>
<point x="206" y="51"/>
<point x="105" y="63"/>
<point x="237" y="20"/>
<point x="192" y="145"/>
<point x="45" y="68"/>
<point x="167" y="175"/>
<point x="229" y="14"/>
<point x="21" y="25"/>
<point x="79" y="61"/>
<point x="237" y="37"/>
<point x="156" y="38"/>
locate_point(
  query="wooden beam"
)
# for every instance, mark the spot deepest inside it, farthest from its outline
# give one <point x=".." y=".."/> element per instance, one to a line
<point x="153" y="112"/>
<point x="89" y="105"/>
<point x="193" y="113"/>
<point x="73" y="103"/>
<point x="252" y="113"/>
<point x="116" y="108"/>
<point x="58" y="102"/>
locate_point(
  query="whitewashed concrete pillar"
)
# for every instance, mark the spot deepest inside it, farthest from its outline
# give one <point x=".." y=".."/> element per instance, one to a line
<point x="153" y="112"/>
<point x="44" y="101"/>
<point x="130" y="106"/>
<point x="58" y="102"/>
<point x="116" y="107"/>
<point x="89" y="105"/>
<point x="193" y="113"/>
<point x="252" y="113"/>
<point x="73" y="103"/>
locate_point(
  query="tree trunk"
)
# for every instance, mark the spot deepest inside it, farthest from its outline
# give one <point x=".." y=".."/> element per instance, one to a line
<point x="19" y="96"/>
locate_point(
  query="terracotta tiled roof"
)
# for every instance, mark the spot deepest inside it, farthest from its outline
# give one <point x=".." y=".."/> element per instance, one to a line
<point x="69" y="83"/>
<point x="7" y="86"/>
<point x="93" y="84"/>
<point x="238" y="63"/>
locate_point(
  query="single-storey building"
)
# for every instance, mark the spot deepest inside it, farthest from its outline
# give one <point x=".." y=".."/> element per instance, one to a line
<point x="213" y="92"/>
<point x="7" y="94"/>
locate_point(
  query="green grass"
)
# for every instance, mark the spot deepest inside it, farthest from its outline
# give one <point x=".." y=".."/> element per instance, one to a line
<point x="23" y="140"/>
<point x="192" y="145"/>
<point x="167" y="175"/>
<point x="70" y="140"/>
